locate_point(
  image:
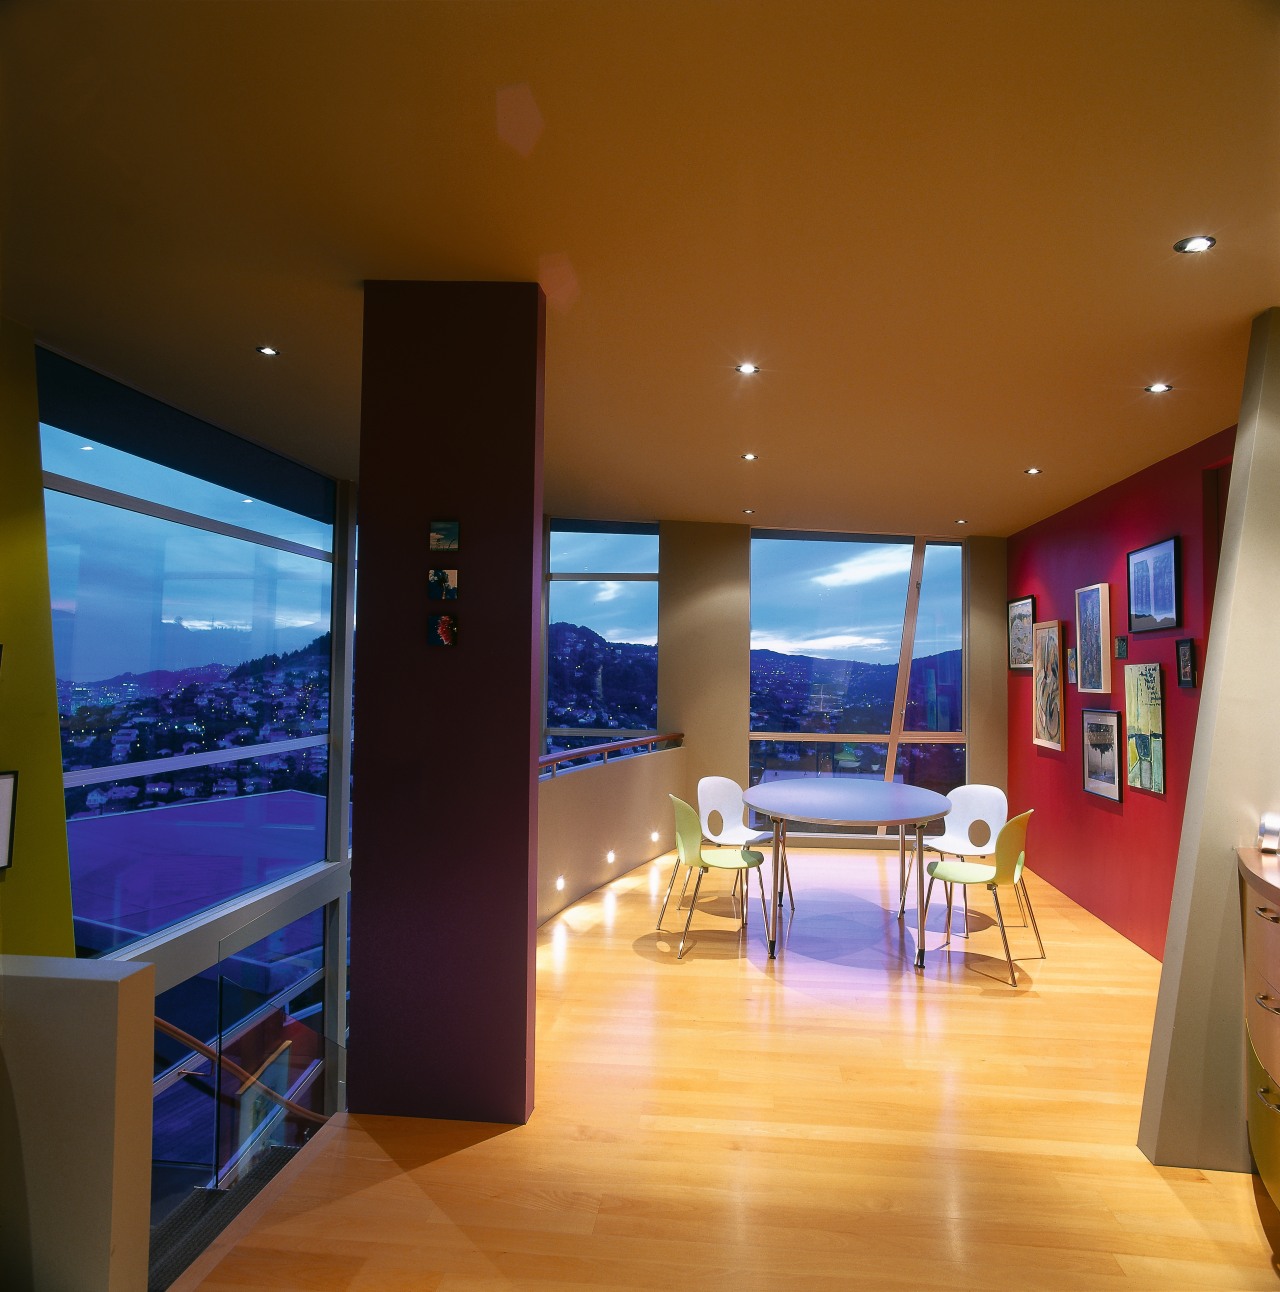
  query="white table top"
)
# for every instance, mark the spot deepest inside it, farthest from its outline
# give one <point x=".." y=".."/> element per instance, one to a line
<point x="838" y="800"/>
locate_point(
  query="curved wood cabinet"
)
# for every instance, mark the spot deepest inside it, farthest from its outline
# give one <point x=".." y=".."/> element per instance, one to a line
<point x="1260" y="921"/>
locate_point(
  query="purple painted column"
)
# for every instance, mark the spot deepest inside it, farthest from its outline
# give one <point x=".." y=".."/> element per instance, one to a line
<point x="444" y="828"/>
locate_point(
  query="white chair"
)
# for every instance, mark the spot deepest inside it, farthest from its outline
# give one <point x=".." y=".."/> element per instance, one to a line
<point x="720" y="796"/>
<point x="978" y="813"/>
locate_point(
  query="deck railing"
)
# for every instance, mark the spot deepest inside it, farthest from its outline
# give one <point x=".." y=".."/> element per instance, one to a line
<point x="550" y="764"/>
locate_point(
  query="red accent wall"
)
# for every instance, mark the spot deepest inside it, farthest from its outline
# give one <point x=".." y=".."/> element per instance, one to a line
<point x="445" y="790"/>
<point x="1117" y="860"/>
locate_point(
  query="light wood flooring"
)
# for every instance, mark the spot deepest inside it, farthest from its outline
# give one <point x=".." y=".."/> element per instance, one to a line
<point x="832" y="1119"/>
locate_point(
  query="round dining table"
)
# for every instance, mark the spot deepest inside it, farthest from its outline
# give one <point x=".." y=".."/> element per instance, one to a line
<point x="847" y="801"/>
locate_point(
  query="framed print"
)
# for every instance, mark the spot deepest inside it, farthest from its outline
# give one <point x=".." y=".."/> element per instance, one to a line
<point x="1155" y="587"/>
<point x="1122" y="648"/>
<point x="1144" y="727"/>
<point x="1071" y="665"/>
<point x="1046" y="684"/>
<point x="442" y="630"/>
<point x="1022" y="615"/>
<point x="442" y="536"/>
<point x="1186" y="655"/>
<point x="1100" y="741"/>
<point x="1093" y="631"/>
<point x="442" y="585"/>
<point x="8" y="793"/>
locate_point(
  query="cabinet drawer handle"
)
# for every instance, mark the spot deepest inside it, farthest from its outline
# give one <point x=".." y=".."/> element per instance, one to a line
<point x="1266" y="1002"/>
<point x="1267" y="914"/>
<point x="1263" y="1092"/>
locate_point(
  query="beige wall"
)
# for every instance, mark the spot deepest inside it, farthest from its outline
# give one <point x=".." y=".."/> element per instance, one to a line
<point x="1193" y="1111"/>
<point x="704" y="626"/>
<point x="614" y="806"/>
<point x="986" y="662"/>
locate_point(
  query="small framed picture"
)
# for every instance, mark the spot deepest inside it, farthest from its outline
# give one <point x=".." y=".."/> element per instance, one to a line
<point x="1093" y="627"/>
<point x="442" y="585"/>
<point x="1022" y="615"/>
<point x="1155" y="596"/>
<point x="442" y="630"/>
<point x="442" y="536"/>
<point x="8" y="796"/>
<point x="1186" y="649"/>
<point x="1100" y="740"/>
<point x="1122" y="648"/>
<point x="1071" y="665"/>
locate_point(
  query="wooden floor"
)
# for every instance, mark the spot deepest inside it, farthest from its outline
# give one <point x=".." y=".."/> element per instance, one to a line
<point x="833" y="1119"/>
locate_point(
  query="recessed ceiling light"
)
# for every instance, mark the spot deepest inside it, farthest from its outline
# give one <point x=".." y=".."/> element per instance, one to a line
<point x="747" y="368"/>
<point x="268" y="350"/>
<point x="748" y="457"/>
<point x="962" y="522"/>
<point x="1157" y="388"/>
<point x="1198" y="242"/>
<point x="748" y="511"/>
<point x="1032" y="471"/>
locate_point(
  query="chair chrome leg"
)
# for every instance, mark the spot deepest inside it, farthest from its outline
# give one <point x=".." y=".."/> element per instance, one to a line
<point x="1004" y="937"/>
<point x="693" y="901"/>
<point x="1022" y="910"/>
<point x="1034" y="926"/>
<point x="670" y="885"/>
<point x="964" y="895"/>
<point x="950" y="906"/>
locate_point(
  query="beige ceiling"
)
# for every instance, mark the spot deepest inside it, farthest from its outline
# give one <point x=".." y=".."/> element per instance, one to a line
<point x="942" y="227"/>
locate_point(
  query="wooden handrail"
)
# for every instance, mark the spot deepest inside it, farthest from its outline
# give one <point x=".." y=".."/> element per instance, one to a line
<point x="236" y="1070"/>
<point x="608" y="747"/>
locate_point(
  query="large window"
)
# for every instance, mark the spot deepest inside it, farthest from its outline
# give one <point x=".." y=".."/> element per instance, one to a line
<point x="192" y="629"/>
<point x="602" y="633"/>
<point x="857" y="664"/>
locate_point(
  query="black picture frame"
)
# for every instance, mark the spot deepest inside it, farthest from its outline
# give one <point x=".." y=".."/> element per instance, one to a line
<point x="1185" y="661"/>
<point x="1155" y="587"/>
<point x="8" y="802"/>
<point x="1122" y="648"/>
<point x="1102" y="753"/>
<point x="1019" y="625"/>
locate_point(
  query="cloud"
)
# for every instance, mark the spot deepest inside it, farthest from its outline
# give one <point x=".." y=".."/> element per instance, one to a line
<point x="607" y="590"/>
<point x="826" y="645"/>
<point x="879" y="562"/>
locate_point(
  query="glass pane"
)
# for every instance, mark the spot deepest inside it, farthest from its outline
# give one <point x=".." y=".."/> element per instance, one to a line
<point x="826" y="633"/>
<point x="83" y="459"/>
<point x="935" y="695"/>
<point x="150" y="851"/>
<point x="934" y="767"/>
<point x="773" y="760"/>
<point x="169" y="640"/>
<point x="576" y="550"/>
<point x="602" y="655"/>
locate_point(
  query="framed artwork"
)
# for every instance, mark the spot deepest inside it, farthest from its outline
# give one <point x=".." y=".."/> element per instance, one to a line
<point x="1093" y="631"/>
<point x="1155" y="587"/>
<point x="1144" y="726"/>
<point x="442" y="585"/>
<point x="442" y="630"/>
<point x="1122" y="648"/>
<point x="1022" y="615"/>
<point x="1100" y="741"/>
<point x="442" y="536"/>
<point x="8" y="793"/>
<point x="1186" y="655"/>
<point x="1071" y="665"/>
<point x="1046" y="684"/>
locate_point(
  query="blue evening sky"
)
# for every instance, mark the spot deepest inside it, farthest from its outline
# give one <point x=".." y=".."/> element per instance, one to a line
<point x="833" y="598"/>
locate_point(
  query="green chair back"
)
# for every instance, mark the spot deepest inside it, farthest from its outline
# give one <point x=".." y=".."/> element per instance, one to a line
<point x="688" y="833"/>
<point x="1011" y="849"/>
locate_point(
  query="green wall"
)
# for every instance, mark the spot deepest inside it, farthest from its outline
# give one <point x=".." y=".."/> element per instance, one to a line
<point x="35" y="892"/>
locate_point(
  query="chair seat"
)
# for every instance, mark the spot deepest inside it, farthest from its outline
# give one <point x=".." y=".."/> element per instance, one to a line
<point x="961" y="872"/>
<point x="731" y="858"/>
<point x="737" y="836"/>
<point x="958" y="846"/>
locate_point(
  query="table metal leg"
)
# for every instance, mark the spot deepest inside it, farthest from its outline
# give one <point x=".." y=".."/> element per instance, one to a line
<point x="902" y="868"/>
<point x="772" y="931"/>
<point x="919" y="862"/>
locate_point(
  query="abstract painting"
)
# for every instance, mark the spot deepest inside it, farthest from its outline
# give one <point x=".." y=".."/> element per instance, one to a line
<point x="1144" y="723"/>
<point x="1154" y="592"/>
<point x="1022" y="615"/>
<point x="1046" y="684"/>
<point x="1093" y="631"/>
<point x="1101" y="743"/>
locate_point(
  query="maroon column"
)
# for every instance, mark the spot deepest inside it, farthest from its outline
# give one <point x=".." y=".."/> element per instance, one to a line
<point x="444" y="816"/>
